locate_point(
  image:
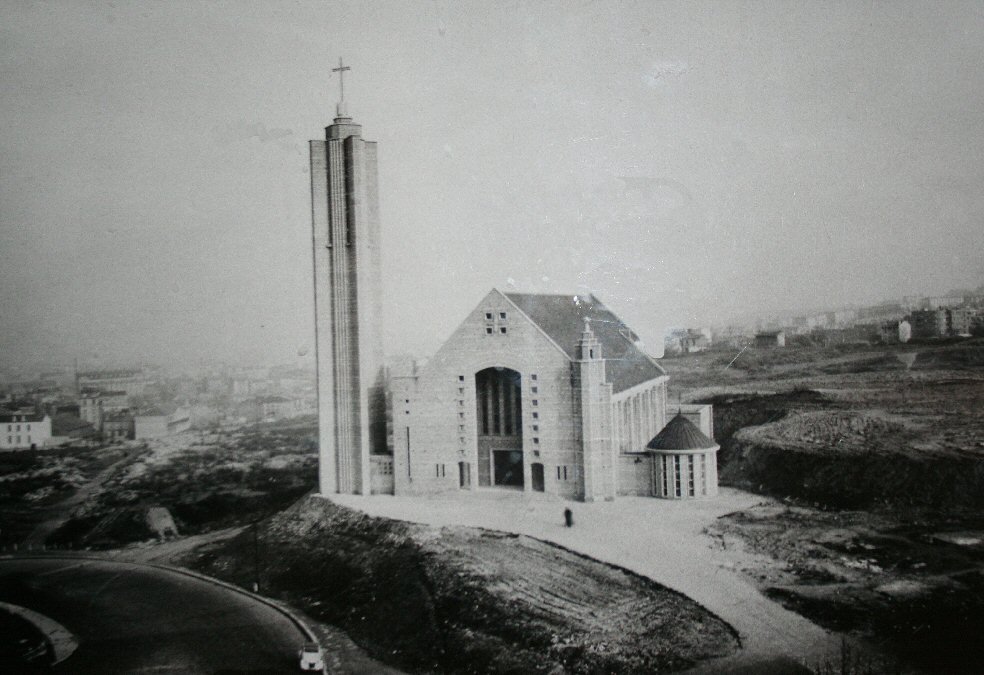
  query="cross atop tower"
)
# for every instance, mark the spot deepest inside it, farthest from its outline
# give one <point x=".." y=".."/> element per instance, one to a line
<point x="340" y="108"/>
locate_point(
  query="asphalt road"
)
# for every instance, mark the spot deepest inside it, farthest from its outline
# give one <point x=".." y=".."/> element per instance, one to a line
<point x="133" y="619"/>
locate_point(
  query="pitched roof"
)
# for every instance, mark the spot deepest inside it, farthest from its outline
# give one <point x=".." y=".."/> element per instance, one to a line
<point x="681" y="434"/>
<point x="562" y="318"/>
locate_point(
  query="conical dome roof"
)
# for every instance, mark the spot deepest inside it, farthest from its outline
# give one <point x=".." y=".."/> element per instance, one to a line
<point x="681" y="434"/>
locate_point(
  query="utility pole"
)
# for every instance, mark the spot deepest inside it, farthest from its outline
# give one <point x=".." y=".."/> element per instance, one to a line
<point x="256" y="556"/>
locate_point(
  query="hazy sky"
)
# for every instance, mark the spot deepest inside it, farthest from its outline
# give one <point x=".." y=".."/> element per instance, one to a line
<point x="683" y="161"/>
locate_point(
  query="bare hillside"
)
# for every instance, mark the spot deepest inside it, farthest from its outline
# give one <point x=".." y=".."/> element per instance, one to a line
<point x="469" y="600"/>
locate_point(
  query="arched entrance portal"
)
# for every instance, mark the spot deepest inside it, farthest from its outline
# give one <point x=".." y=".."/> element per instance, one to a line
<point x="498" y="394"/>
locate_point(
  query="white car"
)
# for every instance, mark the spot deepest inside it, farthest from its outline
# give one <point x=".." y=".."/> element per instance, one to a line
<point x="312" y="657"/>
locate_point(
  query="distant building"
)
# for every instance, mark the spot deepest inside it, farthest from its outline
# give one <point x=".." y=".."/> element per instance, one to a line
<point x="67" y="426"/>
<point x="94" y="404"/>
<point x="936" y="323"/>
<point x="884" y="312"/>
<point x="696" y="340"/>
<point x="959" y="320"/>
<point x="23" y="429"/>
<point x="928" y="323"/>
<point x="117" y="426"/>
<point x="895" y="332"/>
<point x="687" y="340"/>
<point x="278" y="407"/>
<point x="156" y="424"/>
<point x="942" y="302"/>
<point x="132" y="382"/>
<point x="771" y="338"/>
<point x="673" y="341"/>
<point x="840" y="318"/>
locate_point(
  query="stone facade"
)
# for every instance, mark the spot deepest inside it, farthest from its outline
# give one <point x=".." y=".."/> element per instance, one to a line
<point x="21" y="429"/>
<point x="513" y="401"/>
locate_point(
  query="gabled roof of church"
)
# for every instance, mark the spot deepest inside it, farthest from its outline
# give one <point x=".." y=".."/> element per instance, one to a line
<point x="681" y="434"/>
<point x="561" y="317"/>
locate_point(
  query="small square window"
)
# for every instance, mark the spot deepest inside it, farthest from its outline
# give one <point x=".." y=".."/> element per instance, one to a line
<point x="488" y="316"/>
<point x="461" y="390"/>
<point x="502" y="315"/>
<point x="535" y="402"/>
<point x="461" y="427"/>
<point x="461" y="404"/>
<point x="488" y="330"/>
<point x="407" y="411"/>
<point x="461" y="378"/>
<point x="536" y="415"/>
<point x="461" y="439"/>
<point x="536" y="441"/>
<point x="536" y="427"/>
<point x="533" y="377"/>
<point x="502" y="329"/>
<point x="534" y="389"/>
<point x="407" y="401"/>
<point x="461" y="416"/>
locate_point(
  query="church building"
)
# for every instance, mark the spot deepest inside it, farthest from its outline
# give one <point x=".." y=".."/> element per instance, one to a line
<point x="532" y="392"/>
<point x="539" y="393"/>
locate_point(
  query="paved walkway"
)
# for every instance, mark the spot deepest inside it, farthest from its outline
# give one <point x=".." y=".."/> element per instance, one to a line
<point x="660" y="539"/>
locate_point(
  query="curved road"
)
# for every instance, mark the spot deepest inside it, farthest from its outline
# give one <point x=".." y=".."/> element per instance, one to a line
<point x="132" y="619"/>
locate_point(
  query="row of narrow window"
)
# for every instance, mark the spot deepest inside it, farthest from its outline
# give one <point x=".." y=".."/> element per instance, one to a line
<point x="672" y="475"/>
<point x="10" y="440"/>
<point x="464" y="469"/>
<point x="10" y="427"/>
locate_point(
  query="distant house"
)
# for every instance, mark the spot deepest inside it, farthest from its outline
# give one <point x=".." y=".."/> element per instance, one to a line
<point x="687" y="340"/>
<point x="959" y="320"/>
<point x="94" y="404"/>
<point x="928" y="323"/>
<point x="23" y="429"/>
<point x="278" y="407"/>
<point x="117" y="426"/>
<point x="895" y="332"/>
<point x="66" y="426"/>
<point x="935" y="323"/>
<point x="156" y="424"/>
<point x="771" y="338"/>
<point x="696" y="340"/>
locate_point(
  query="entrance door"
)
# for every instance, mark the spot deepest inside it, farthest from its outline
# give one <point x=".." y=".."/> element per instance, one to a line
<point x="498" y="397"/>
<point x="464" y="475"/>
<point x="536" y="471"/>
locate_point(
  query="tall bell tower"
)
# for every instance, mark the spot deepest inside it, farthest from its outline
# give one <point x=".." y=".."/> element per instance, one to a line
<point x="348" y="304"/>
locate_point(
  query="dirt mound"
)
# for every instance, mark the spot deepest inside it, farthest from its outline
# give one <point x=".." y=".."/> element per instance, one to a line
<point x="919" y="449"/>
<point x="896" y="583"/>
<point x="469" y="601"/>
<point x="855" y="480"/>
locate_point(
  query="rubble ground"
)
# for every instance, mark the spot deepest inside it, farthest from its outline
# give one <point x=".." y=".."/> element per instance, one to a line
<point x="877" y="453"/>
